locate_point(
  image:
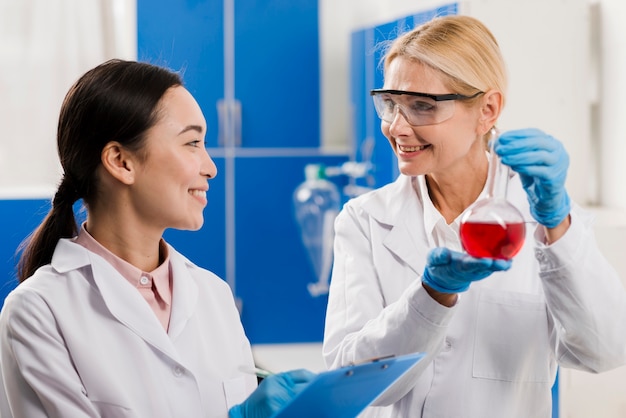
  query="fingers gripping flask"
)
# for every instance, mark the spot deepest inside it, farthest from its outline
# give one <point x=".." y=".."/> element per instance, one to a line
<point x="492" y="227"/>
<point x="317" y="204"/>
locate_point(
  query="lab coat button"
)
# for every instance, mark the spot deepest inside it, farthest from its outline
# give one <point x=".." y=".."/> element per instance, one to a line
<point x="447" y="345"/>
<point x="144" y="280"/>
<point x="178" y="371"/>
<point x="540" y="256"/>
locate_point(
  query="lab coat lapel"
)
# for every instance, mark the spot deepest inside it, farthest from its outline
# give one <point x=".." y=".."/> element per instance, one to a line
<point x="184" y="294"/>
<point x="128" y="306"/>
<point x="398" y="206"/>
<point x="404" y="242"/>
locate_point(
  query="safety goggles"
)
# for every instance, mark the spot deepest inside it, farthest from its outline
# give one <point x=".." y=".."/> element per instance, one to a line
<point x="417" y="108"/>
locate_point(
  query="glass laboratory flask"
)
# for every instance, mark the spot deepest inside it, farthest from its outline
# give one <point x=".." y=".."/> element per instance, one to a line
<point x="492" y="227"/>
<point x="316" y="204"/>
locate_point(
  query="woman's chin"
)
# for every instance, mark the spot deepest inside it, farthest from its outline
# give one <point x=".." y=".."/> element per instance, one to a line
<point x="410" y="171"/>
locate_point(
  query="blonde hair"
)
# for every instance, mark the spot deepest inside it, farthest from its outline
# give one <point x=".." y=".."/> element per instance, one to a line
<point x="462" y="48"/>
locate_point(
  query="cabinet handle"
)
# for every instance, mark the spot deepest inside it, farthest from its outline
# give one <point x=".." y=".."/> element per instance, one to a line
<point x="229" y="122"/>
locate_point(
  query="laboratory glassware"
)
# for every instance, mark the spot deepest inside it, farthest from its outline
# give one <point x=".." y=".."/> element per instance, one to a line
<point x="492" y="227"/>
<point x="316" y="204"/>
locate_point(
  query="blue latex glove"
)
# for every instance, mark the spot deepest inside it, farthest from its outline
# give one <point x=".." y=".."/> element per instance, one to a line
<point x="541" y="162"/>
<point x="450" y="271"/>
<point x="273" y="393"/>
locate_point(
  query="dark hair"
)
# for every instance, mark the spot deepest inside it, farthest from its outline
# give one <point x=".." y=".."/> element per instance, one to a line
<point x="115" y="101"/>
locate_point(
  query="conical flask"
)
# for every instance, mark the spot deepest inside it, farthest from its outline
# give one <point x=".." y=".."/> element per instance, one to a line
<point x="316" y="204"/>
<point x="492" y="227"/>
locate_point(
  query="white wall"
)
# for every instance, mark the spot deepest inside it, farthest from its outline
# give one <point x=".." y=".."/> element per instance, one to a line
<point x="612" y="123"/>
<point x="45" y="45"/>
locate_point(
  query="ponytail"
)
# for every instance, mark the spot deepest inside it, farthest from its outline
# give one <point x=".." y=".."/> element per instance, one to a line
<point x="116" y="101"/>
<point x="37" y="249"/>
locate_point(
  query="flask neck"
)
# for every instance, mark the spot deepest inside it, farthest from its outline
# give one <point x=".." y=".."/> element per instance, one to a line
<point x="498" y="174"/>
<point x="314" y="172"/>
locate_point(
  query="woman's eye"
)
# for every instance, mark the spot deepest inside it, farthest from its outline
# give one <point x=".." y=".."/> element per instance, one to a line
<point x="423" y="106"/>
<point x="195" y="143"/>
<point x="389" y="104"/>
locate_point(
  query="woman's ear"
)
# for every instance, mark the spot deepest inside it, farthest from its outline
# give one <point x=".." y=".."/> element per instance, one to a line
<point x="118" y="162"/>
<point x="490" y="108"/>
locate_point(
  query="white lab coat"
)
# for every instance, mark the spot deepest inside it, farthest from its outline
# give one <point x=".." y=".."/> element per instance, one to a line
<point x="495" y="353"/>
<point x="77" y="340"/>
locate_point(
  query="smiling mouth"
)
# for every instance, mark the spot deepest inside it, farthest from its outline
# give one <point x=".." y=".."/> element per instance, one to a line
<point x="406" y="148"/>
<point x="198" y="193"/>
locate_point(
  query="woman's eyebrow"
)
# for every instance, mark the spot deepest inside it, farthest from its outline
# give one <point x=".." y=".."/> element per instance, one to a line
<point x="196" y="128"/>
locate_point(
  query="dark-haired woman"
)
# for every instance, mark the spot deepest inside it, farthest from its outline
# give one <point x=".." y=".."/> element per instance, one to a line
<point x="109" y="320"/>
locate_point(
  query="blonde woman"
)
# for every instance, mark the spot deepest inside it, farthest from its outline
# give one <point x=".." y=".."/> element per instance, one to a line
<point x="494" y="330"/>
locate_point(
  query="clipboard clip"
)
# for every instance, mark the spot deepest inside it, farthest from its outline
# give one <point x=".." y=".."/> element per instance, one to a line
<point x="370" y="360"/>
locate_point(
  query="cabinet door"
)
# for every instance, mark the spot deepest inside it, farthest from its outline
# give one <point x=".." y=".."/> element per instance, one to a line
<point x="277" y="87"/>
<point x="187" y="36"/>
<point x="273" y="266"/>
<point x="276" y="63"/>
<point x="277" y="73"/>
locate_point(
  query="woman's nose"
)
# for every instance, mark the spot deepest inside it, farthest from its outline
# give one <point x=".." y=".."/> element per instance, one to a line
<point x="209" y="169"/>
<point x="399" y="123"/>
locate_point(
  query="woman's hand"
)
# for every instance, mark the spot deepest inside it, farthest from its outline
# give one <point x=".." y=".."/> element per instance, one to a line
<point x="450" y="271"/>
<point x="272" y="395"/>
<point x="541" y="162"/>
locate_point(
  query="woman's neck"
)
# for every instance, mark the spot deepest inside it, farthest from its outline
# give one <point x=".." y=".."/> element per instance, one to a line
<point x="452" y="193"/>
<point x="126" y="240"/>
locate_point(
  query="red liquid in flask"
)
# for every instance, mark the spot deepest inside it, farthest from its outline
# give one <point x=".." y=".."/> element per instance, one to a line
<point x="492" y="240"/>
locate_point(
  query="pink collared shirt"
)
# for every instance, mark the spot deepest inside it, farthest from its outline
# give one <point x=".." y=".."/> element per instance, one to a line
<point x="154" y="286"/>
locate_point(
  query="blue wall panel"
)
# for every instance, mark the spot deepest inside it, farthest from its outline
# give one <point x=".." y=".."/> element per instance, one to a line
<point x="18" y="218"/>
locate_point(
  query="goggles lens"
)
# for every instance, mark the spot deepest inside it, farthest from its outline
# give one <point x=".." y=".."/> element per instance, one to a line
<point x="417" y="108"/>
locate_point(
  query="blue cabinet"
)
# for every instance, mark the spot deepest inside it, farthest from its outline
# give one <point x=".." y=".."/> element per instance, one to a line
<point x="186" y="36"/>
<point x="272" y="269"/>
<point x="277" y="73"/>
<point x="250" y="237"/>
<point x="276" y="63"/>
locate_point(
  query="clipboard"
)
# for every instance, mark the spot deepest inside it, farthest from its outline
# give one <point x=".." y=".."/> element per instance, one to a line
<point x="347" y="391"/>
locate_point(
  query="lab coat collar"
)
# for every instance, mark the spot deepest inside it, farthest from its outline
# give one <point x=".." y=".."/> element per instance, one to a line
<point x="397" y="206"/>
<point x="69" y="256"/>
<point x="390" y="202"/>
<point x="184" y="292"/>
<point x="124" y="302"/>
